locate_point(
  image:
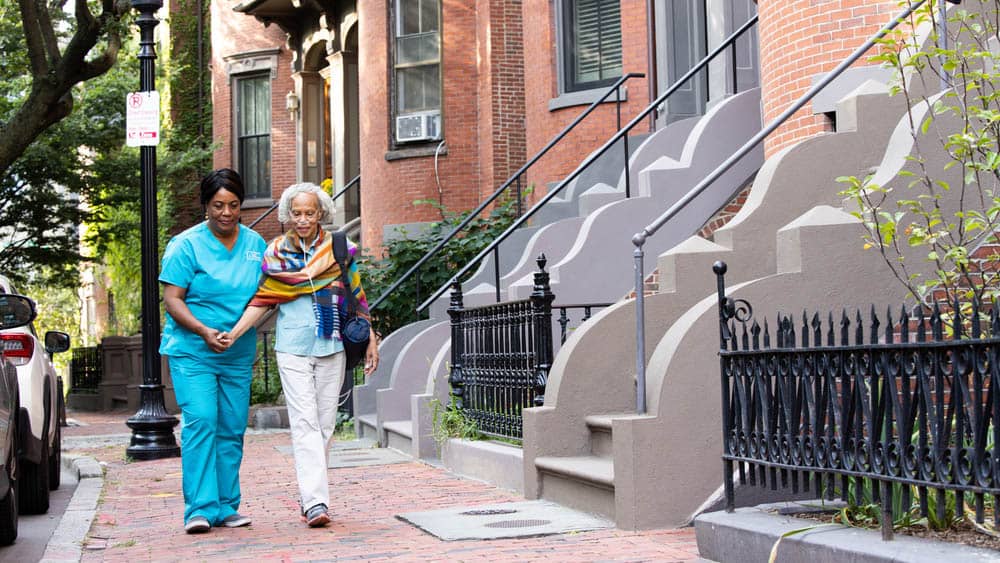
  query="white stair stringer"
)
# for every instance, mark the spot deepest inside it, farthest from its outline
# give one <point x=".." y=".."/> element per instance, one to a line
<point x="602" y="252"/>
<point x="595" y="369"/>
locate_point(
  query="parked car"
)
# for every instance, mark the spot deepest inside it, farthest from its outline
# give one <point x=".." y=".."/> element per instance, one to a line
<point x="15" y="311"/>
<point x="40" y="435"/>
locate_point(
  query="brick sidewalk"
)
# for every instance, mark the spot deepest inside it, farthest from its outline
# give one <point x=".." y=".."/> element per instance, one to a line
<point x="139" y="517"/>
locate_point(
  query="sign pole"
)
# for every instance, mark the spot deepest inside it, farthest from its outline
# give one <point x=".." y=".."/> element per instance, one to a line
<point x="152" y="428"/>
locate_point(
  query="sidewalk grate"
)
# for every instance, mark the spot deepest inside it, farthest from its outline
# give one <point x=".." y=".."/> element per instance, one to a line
<point x="508" y="520"/>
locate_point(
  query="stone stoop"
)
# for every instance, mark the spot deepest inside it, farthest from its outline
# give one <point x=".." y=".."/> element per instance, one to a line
<point x="366" y="426"/>
<point x="584" y="482"/>
<point x="398" y="435"/>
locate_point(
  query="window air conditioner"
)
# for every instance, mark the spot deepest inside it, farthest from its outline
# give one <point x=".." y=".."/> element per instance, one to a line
<point x="422" y="126"/>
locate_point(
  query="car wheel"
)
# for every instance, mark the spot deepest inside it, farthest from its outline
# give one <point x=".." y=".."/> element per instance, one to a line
<point x="8" y="505"/>
<point x="55" y="456"/>
<point x="33" y="483"/>
<point x="8" y="516"/>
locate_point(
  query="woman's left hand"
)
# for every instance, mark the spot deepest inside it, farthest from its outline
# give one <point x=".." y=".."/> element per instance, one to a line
<point x="371" y="354"/>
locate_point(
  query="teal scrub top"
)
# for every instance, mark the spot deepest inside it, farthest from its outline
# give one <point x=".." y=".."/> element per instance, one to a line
<point x="219" y="284"/>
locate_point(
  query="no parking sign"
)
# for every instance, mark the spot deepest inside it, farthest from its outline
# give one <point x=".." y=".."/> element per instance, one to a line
<point x="142" y="119"/>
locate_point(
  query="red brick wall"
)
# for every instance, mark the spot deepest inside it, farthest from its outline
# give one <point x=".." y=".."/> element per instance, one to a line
<point x="802" y="38"/>
<point x="234" y="33"/>
<point x="540" y="78"/>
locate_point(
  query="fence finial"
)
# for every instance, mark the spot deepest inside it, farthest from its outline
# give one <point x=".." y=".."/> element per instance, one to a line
<point x="541" y="261"/>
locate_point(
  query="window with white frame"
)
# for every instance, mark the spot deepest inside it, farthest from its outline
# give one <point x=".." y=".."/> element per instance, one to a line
<point x="252" y="120"/>
<point x="591" y="43"/>
<point x="417" y="70"/>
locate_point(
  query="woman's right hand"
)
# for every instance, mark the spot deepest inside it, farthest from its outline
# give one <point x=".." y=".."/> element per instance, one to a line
<point x="211" y="338"/>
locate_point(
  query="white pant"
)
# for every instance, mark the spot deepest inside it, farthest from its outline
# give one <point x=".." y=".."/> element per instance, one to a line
<point x="312" y="389"/>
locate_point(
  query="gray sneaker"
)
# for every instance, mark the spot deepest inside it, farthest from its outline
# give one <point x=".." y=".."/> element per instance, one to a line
<point x="235" y="520"/>
<point x="197" y="525"/>
<point x="317" y="516"/>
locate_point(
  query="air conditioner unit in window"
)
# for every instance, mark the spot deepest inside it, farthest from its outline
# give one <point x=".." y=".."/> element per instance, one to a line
<point x="422" y="126"/>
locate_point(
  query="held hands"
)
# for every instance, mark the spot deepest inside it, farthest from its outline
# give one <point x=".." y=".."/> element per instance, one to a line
<point x="217" y="341"/>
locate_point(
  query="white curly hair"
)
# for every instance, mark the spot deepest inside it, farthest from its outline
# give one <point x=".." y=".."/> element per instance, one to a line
<point x="326" y="206"/>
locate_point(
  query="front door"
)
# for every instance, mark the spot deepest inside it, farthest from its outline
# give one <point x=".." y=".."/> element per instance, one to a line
<point x="685" y="31"/>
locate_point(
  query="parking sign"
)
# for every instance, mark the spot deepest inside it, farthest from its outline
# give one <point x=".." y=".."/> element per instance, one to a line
<point x="142" y="119"/>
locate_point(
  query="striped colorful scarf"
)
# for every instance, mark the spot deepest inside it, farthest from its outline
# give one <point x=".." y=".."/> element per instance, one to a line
<point x="288" y="275"/>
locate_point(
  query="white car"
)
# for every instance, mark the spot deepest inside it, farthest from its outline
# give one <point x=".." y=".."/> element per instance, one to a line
<point x="40" y="456"/>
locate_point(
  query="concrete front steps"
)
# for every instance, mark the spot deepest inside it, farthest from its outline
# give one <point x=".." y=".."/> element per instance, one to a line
<point x="684" y="158"/>
<point x="659" y="482"/>
<point x="585" y="482"/>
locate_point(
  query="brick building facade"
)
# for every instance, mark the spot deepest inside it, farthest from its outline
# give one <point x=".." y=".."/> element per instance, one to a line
<point x="339" y="78"/>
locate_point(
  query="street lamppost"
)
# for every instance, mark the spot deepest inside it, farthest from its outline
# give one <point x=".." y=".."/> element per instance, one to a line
<point x="152" y="428"/>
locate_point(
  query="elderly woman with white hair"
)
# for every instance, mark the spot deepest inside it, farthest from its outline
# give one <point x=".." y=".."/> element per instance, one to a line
<point x="302" y="278"/>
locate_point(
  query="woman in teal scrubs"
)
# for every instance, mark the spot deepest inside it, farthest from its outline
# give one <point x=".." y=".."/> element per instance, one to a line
<point x="209" y="273"/>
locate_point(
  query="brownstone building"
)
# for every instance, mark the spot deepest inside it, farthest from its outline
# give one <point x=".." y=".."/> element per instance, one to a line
<point x="444" y="100"/>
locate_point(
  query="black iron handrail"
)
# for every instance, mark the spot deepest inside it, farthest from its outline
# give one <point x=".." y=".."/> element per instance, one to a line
<point x="516" y="177"/>
<point x="639" y="239"/>
<point x="356" y="180"/>
<point x="623" y="132"/>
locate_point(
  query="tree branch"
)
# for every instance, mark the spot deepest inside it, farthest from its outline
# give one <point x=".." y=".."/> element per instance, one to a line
<point x="34" y="37"/>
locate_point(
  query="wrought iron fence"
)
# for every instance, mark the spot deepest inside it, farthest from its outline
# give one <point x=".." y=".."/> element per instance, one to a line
<point x="565" y="319"/>
<point x="914" y="407"/>
<point x="500" y="357"/>
<point x="85" y="369"/>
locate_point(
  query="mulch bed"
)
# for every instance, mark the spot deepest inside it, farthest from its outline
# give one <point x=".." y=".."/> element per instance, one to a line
<point x="964" y="532"/>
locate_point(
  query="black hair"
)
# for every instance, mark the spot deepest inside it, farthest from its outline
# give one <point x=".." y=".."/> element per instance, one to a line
<point x="223" y="178"/>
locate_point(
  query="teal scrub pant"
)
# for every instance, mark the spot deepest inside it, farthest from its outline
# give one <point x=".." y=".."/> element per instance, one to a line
<point x="214" y="399"/>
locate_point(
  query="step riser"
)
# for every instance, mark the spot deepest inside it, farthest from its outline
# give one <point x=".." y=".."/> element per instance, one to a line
<point x="588" y="497"/>
<point x="600" y="443"/>
<point x="397" y="441"/>
<point x="367" y="431"/>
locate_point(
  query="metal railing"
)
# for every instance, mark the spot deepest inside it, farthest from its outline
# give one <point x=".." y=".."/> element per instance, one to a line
<point x="516" y="181"/>
<point x="85" y="369"/>
<point x="622" y="134"/>
<point x="890" y="416"/>
<point x="500" y="357"/>
<point x="564" y="316"/>
<point x="639" y="239"/>
<point x="355" y="182"/>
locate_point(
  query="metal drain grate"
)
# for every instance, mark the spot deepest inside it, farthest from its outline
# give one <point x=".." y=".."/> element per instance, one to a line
<point x="488" y="512"/>
<point x="506" y="524"/>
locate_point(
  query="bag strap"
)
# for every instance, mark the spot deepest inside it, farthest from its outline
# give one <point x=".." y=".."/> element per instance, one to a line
<point x="340" y="254"/>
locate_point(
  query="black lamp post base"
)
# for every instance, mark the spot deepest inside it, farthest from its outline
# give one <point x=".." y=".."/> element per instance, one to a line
<point x="152" y="428"/>
<point x="152" y="438"/>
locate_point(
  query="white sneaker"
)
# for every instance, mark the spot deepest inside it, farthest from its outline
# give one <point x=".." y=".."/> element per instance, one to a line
<point x="197" y="525"/>
<point x="235" y="520"/>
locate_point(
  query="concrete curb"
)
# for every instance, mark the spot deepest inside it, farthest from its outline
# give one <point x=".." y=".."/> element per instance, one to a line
<point x="66" y="543"/>
<point x="749" y="533"/>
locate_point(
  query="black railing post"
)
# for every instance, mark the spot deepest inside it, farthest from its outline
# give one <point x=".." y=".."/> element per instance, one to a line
<point x="727" y="465"/>
<point x="455" y="379"/>
<point x="541" y="315"/>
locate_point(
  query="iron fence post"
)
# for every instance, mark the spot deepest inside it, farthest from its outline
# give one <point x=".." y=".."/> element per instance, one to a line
<point x="541" y="315"/>
<point x="727" y="465"/>
<point x="455" y="379"/>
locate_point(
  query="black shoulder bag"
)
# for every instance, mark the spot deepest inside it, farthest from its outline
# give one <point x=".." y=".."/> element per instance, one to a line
<point x="354" y="330"/>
